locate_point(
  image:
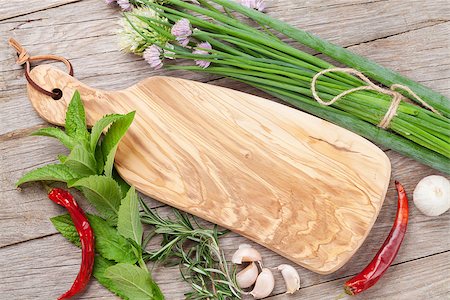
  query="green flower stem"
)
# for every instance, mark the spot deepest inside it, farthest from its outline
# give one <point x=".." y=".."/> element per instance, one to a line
<point x="424" y="124"/>
<point x="443" y="122"/>
<point x="427" y="140"/>
<point x="275" y="53"/>
<point x="261" y="45"/>
<point x="369" y="68"/>
<point x="249" y="33"/>
<point x="246" y="32"/>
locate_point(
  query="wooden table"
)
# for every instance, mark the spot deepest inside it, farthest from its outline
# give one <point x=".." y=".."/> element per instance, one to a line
<point x="36" y="262"/>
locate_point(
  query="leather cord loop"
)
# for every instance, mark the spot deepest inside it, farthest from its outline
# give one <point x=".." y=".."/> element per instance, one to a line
<point x="23" y="58"/>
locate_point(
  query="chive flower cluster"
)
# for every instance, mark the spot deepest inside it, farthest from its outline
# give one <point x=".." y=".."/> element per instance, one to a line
<point x="140" y="38"/>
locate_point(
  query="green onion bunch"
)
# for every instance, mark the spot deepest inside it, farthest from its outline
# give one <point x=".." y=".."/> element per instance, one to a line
<point x="222" y="42"/>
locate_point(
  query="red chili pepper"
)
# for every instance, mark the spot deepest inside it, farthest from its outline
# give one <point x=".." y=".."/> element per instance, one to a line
<point x="64" y="198"/>
<point x="387" y="253"/>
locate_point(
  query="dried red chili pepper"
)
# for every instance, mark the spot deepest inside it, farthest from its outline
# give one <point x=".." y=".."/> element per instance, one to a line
<point x="64" y="198"/>
<point x="387" y="253"/>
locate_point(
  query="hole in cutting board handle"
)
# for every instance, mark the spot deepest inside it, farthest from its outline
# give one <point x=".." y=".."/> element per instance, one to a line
<point x="58" y="94"/>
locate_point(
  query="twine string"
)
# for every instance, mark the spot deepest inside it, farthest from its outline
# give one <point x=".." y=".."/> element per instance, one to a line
<point x="397" y="98"/>
<point x="23" y="58"/>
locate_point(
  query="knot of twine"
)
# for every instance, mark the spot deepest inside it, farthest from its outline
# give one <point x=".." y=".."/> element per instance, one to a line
<point x="397" y="98"/>
<point x="23" y="58"/>
<point x="22" y="54"/>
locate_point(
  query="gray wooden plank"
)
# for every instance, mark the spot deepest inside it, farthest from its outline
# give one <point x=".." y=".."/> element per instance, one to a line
<point x="11" y="9"/>
<point x="427" y="278"/>
<point x="418" y="53"/>
<point x="46" y="268"/>
<point x="423" y="56"/>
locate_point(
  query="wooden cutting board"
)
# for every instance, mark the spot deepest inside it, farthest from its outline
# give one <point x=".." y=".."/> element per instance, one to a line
<point x="300" y="186"/>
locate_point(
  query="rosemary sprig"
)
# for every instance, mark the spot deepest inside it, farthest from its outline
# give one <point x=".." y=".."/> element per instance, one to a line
<point x="196" y="250"/>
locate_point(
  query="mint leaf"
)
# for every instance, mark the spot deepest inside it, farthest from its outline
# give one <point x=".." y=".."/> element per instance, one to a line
<point x="108" y="242"/>
<point x="103" y="192"/>
<point x="81" y="161"/>
<point x="134" y="282"/>
<point x="99" y="159"/>
<point x="124" y="186"/>
<point x="112" y="139"/>
<point x="61" y="158"/>
<point x="76" y="119"/>
<point x="54" y="172"/>
<point x="129" y="224"/>
<point x="64" y="225"/>
<point x="99" y="126"/>
<point x="58" y="134"/>
<point x="100" y="266"/>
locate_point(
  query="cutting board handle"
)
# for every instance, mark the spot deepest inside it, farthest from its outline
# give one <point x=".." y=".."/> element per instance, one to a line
<point x="54" y="111"/>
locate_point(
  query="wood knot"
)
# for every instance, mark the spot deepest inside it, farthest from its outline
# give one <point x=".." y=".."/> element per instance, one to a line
<point x="247" y="154"/>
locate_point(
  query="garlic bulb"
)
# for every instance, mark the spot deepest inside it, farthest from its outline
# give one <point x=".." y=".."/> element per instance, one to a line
<point x="264" y="284"/>
<point x="247" y="277"/>
<point x="245" y="253"/>
<point x="291" y="278"/>
<point x="432" y="195"/>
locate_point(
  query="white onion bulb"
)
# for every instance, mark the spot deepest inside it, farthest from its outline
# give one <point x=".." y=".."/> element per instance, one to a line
<point x="432" y="195"/>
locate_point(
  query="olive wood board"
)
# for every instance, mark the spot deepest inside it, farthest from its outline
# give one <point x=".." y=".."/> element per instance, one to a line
<point x="298" y="185"/>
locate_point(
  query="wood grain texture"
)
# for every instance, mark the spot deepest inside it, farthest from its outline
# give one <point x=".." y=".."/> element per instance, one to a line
<point x="409" y="36"/>
<point x="305" y="188"/>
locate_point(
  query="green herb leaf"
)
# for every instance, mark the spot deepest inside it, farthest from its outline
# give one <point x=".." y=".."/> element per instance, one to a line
<point x="57" y="133"/>
<point x="124" y="186"/>
<point x="112" y="139"/>
<point x="76" y="119"/>
<point x="99" y="159"/>
<point x="64" y="225"/>
<point x="134" y="282"/>
<point x="103" y="192"/>
<point x="61" y="158"/>
<point x="81" y="161"/>
<point x="108" y="242"/>
<point x="129" y="224"/>
<point x="100" y="266"/>
<point x="54" y="172"/>
<point x="99" y="126"/>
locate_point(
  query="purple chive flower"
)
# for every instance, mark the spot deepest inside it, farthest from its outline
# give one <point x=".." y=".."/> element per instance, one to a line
<point x="152" y="55"/>
<point x="202" y="63"/>
<point x="255" y="4"/>
<point x="182" y="31"/>
<point x="124" y="5"/>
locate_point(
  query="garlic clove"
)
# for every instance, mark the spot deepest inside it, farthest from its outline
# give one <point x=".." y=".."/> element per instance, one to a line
<point x="245" y="254"/>
<point x="247" y="277"/>
<point x="264" y="284"/>
<point x="432" y="195"/>
<point x="291" y="278"/>
<point x="245" y="246"/>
